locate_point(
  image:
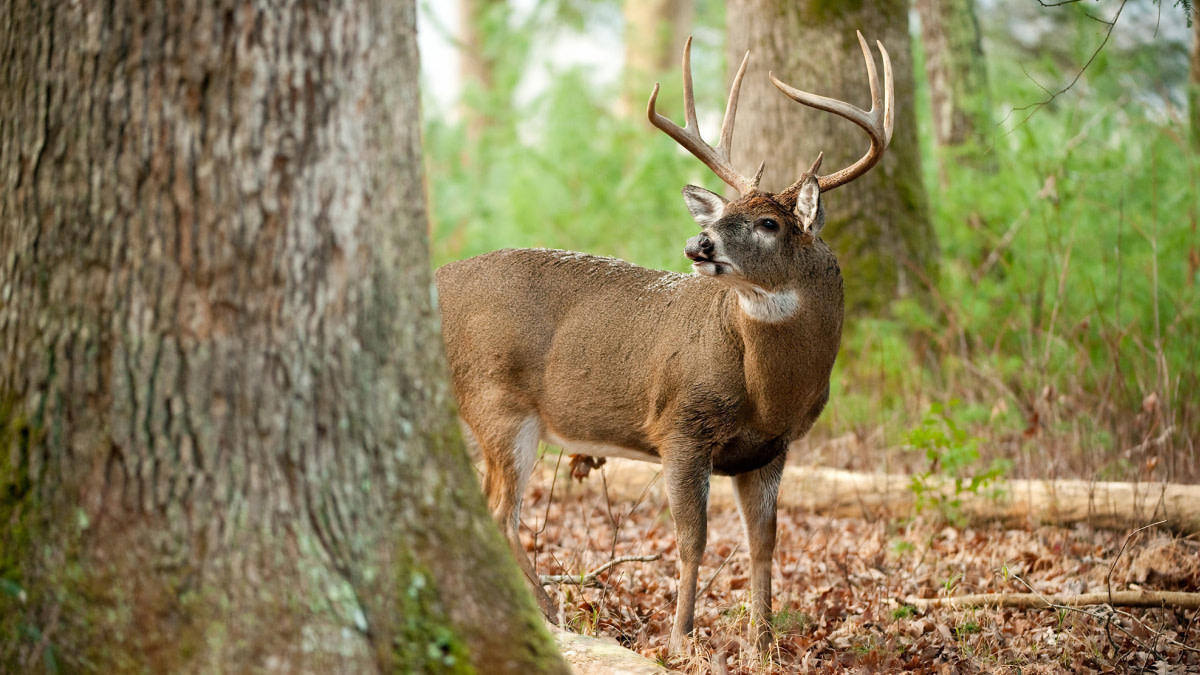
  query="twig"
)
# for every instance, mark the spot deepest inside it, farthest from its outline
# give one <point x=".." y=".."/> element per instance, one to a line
<point x="589" y="578"/>
<point x="1152" y="442"/>
<point x="1113" y="566"/>
<point x="1075" y="603"/>
<point x="718" y="571"/>
<point x="1035" y="107"/>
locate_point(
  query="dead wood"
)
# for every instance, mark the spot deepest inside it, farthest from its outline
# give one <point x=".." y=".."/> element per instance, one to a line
<point x="1014" y="503"/>
<point x="1173" y="599"/>
<point x="589" y="578"/>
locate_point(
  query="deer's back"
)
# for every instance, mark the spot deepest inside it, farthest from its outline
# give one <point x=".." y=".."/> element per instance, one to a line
<point x="588" y="342"/>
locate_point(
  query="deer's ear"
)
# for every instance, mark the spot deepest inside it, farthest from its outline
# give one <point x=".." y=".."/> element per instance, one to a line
<point x="706" y="207"/>
<point x="809" y="210"/>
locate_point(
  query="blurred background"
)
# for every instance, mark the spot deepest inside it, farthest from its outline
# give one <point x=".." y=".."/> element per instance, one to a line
<point x="1021" y="270"/>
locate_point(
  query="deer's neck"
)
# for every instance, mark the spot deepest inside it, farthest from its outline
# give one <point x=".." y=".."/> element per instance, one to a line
<point x="790" y="340"/>
<point x="768" y="306"/>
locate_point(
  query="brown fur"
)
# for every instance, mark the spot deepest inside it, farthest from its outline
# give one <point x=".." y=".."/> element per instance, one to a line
<point x="604" y="352"/>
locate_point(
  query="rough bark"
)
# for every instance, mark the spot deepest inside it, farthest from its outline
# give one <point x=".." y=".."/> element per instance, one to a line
<point x="655" y="31"/>
<point x="879" y="225"/>
<point x="1017" y="503"/>
<point x="226" y="436"/>
<point x="958" y="82"/>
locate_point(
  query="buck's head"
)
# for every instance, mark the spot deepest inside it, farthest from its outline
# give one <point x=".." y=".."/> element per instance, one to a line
<point x="756" y="241"/>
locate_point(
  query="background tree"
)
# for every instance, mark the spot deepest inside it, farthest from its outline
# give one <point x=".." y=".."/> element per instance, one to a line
<point x="959" y="97"/>
<point x="655" y="31"/>
<point x="879" y="225"/>
<point x="226" y="438"/>
<point x="477" y="59"/>
<point x="1194" y="82"/>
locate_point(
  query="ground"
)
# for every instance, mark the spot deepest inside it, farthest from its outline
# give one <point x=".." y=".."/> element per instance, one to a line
<point x="840" y="586"/>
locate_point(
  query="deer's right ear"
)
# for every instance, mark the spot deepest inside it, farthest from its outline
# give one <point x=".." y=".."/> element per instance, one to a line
<point x="706" y="207"/>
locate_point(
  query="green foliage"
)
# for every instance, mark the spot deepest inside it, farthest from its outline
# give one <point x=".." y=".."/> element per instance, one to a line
<point x="903" y="613"/>
<point x="962" y="630"/>
<point x="789" y="621"/>
<point x="952" y="452"/>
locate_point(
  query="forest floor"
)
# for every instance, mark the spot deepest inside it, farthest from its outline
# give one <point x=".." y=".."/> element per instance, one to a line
<point x="840" y="587"/>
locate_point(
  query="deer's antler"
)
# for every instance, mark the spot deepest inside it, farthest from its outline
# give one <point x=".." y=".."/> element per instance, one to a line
<point x="688" y="136"/>
<point x="877" y="121"/>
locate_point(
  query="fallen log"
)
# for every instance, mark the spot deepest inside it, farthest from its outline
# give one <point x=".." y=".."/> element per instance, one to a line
<point x="1175" y="599"/>
<point x="1014" y="503"/>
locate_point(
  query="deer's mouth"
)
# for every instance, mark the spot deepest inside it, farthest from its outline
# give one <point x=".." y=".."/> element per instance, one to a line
<point x="710" y="268"/>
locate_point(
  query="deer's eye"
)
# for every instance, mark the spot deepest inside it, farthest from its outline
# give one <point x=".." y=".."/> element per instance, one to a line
<point x="767" y="224"/>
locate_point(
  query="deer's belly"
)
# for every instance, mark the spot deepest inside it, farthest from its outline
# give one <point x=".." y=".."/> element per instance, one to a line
<point x="577" y="447"/>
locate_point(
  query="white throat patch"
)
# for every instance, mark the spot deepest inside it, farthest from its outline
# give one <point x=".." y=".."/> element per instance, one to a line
<point x="767" y="306"/>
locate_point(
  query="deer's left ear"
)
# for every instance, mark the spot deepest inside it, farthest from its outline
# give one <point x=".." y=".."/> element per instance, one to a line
<point x="809" y="210"/>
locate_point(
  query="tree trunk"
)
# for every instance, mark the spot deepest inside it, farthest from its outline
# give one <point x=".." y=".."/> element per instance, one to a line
<point x="477" y="61"/>
<point x="879" y="225"/>
<point x="1194" y="82"/>
<point x="226" y="434"/>
<point x="958" y="83"/>
<point x="655" y="31"/>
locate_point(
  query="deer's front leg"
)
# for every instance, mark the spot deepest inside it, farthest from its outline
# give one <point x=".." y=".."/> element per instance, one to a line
<point x="756" y="494"/>
<point x="687" y="472"/>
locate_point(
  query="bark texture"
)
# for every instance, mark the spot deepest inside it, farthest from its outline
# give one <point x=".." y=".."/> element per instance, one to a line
<point x="879" y="225"/>
<point x="958" y="82"/>
<point x="226" y="436"/>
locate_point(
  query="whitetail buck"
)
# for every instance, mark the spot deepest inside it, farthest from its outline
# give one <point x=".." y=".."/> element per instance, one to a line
<point x="713" y="372"/>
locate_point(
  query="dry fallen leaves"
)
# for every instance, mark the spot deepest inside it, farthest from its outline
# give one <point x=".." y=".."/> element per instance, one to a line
<point x="838" y="585"/>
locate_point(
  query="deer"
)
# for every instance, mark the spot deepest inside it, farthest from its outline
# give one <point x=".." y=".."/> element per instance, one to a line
<point x="713" y="372"/>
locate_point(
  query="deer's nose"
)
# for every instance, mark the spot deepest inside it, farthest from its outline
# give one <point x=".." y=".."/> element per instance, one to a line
<point x="698" y="247"/>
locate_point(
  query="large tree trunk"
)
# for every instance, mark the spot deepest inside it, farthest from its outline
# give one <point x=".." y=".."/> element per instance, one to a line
<point x="878" y="225"/>
<point x="226" y="436"/>
<point x="655" y="31"/>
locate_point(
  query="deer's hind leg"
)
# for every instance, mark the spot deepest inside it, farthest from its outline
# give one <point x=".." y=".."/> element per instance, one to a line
<point x="510" y="453"/>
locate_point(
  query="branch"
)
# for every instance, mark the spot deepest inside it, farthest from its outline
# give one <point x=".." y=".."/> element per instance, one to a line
<point x="1033" y="108"/>
<point x="589" y="578"/>
<point x="1175" y="599"/>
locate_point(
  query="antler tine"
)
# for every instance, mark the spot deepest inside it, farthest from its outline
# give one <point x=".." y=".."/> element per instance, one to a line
<point x="877" y="122"/>
<point x="726" y="141"/>
<point x="716" y="159"/>
<point x="689" y="97"/>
